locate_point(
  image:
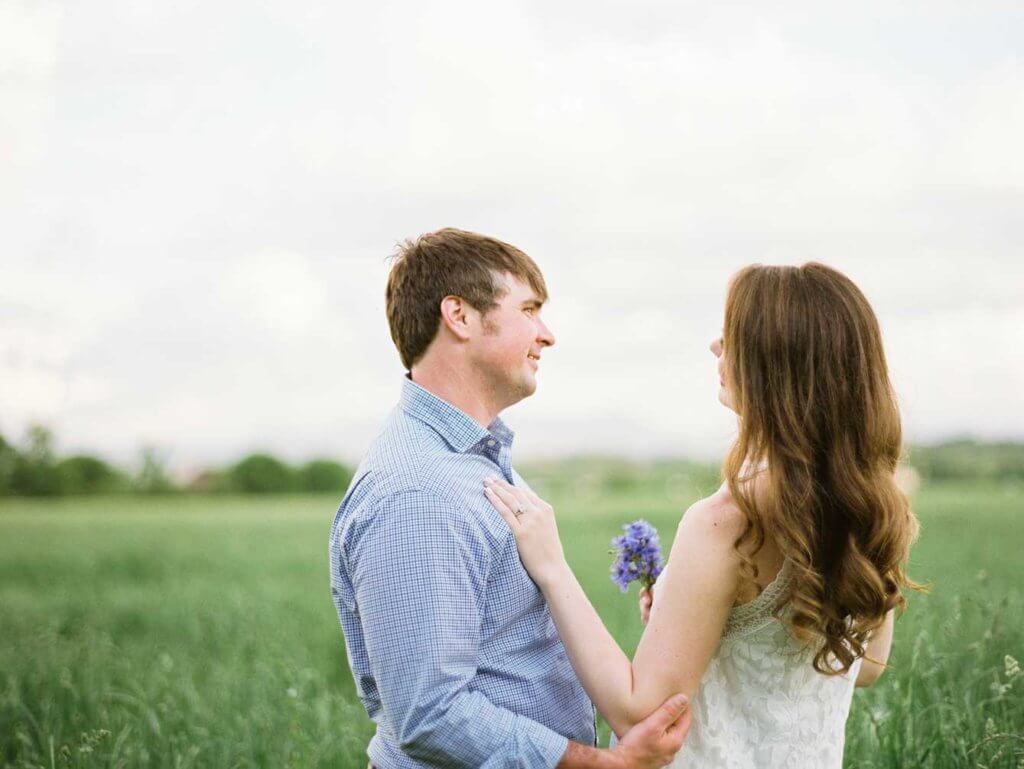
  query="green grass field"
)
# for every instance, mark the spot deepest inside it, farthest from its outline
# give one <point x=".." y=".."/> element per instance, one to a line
<point x="199" y="632"/>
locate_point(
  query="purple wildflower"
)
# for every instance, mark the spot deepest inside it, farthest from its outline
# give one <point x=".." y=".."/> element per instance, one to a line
<point x="639" y="555"/>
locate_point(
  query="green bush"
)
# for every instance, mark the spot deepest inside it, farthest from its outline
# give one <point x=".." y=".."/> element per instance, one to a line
<point x="324" y="475"/>
<point x="8" y="456"/>
<point x="34" y="472"/>
<point x="84" y="474"/>
<point x="262" y="474"/>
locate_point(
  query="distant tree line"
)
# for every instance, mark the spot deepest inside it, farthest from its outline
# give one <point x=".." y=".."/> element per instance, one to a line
<point x="956" y="460"/>
<point x="33" y="469"/>
<point x="967" y="459"/>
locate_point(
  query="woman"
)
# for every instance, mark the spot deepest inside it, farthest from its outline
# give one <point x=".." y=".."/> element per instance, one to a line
<point x="780" y="588"/>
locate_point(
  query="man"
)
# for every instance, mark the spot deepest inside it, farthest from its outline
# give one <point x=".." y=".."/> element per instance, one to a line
<point x="451" y="645"/>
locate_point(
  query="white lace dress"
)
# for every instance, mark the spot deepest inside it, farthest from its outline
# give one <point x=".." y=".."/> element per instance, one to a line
<point x="761" y="704"/>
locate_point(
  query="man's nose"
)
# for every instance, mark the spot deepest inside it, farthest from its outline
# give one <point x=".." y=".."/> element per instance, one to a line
<point x="544" y="335"/>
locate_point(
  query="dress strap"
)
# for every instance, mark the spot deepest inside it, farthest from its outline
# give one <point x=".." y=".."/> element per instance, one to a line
<point x="754" y="614"/>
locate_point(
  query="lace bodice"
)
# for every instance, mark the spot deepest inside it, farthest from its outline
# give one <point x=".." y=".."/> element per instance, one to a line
<point x="761" y="704"/>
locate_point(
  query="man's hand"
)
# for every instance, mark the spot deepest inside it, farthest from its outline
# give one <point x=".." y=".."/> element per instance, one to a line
<point x="653" y="742"/>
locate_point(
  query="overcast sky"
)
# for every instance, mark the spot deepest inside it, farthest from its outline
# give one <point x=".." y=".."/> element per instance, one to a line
<point x="197" y="199"/>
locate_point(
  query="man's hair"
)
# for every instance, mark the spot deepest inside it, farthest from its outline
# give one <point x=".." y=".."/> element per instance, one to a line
<point x="448" y="262"/>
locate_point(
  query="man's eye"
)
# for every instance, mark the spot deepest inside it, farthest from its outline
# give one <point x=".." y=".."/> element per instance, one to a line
<point x="530" y="310"/>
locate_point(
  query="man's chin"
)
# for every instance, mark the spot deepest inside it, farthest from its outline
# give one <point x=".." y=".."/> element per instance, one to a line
<point x="527" y="387"/>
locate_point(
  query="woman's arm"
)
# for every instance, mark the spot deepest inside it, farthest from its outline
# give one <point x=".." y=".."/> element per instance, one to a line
<point x="695" y="594"/>
<point x="877" y="653"/>
<point x="694" y="598"/>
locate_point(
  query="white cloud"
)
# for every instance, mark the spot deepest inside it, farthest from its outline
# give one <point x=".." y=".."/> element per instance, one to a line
<point x="29" y="39"/>
<point x="280" y="292"/>
<point x="198" y="200"/>
<point x="958" y="362"/>
<point x="993" y="122"/>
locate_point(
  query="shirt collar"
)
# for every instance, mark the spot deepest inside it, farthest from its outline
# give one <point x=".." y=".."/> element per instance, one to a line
<point x="460" y="430"/>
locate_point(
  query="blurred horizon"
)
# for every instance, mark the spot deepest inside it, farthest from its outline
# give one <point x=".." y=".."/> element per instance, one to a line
<point x="38" y="466"/>
<point x="198" y="201"/>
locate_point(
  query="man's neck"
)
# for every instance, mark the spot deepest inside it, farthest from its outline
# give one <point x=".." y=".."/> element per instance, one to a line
<point x="460" y="388"/>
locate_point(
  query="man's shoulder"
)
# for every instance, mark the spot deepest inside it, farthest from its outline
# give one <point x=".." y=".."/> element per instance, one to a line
<point x="411" y="472"/>
<point x="412" y="507"/>
<point x="445" y="484"/>
<point x="406" y="468"/>
<point x="409" y="457"/>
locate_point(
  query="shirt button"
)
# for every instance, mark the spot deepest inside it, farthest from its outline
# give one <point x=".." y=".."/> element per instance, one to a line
<point x="490" y="443"/>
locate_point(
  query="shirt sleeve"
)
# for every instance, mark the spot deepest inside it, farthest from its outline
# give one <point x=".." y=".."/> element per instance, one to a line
<point x="419" y="571"/>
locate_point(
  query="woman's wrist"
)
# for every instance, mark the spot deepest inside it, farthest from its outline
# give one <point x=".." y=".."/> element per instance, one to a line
<point x="553" y="575"/>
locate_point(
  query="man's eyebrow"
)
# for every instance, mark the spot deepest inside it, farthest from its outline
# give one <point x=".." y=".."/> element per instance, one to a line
<point x="533" y="302"/>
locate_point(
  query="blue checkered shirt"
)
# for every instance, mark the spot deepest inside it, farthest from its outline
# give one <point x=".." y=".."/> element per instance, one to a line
<point x="453" y="650"/>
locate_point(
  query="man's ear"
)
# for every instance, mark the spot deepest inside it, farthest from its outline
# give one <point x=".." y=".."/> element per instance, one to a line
<point x="455" y="316"/>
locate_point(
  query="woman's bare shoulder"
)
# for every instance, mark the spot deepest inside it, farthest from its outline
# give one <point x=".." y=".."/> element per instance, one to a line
<point x="705" y="541"/>
<point x="715" y="516"/>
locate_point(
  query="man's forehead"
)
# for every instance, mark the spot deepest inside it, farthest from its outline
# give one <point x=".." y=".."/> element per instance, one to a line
<point x="517" y="289"/>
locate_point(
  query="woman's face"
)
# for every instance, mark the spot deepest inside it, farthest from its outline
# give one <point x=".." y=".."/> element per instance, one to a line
<point x="724" y="393"/>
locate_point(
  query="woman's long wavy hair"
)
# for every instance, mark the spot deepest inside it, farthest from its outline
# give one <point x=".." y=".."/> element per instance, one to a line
<point x="819" y="428"/>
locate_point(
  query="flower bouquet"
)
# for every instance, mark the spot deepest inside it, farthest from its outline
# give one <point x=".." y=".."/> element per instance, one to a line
<point x="638" y="556"/>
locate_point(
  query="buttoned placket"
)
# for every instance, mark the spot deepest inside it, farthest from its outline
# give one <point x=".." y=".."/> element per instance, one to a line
<point x="498" y="452"/>
<point x="505" y="462"/>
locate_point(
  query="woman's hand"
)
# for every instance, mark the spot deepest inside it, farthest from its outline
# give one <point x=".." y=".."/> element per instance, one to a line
<point x="532" y="521"/>
<point x="646" y="602"/>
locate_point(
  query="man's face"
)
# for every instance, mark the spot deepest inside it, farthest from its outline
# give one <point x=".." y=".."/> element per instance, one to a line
<point x="513" y="337"/>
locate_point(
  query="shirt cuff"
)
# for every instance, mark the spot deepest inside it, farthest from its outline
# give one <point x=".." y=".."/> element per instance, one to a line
<point x="537" y="746"/>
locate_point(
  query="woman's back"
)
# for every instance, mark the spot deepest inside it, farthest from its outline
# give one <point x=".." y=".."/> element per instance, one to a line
<point x="761" y="703"/>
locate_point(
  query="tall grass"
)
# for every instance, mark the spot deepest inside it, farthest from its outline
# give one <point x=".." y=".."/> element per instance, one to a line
<point x="199" y="632"/>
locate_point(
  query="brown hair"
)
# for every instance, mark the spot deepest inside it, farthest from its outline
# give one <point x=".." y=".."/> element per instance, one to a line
<point x="819" y="426"/>
<point x="448" y="262"/>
